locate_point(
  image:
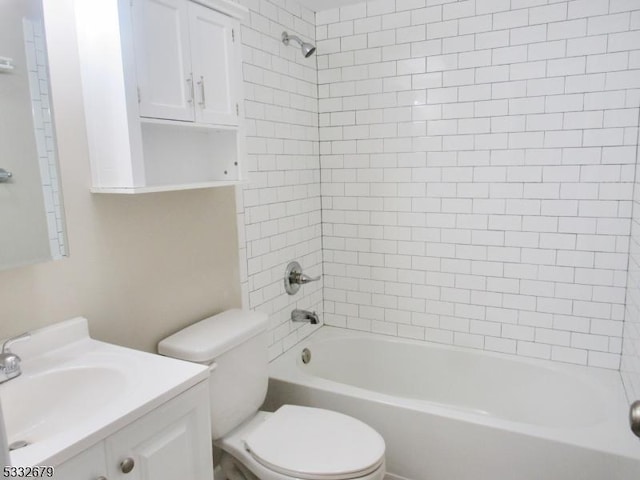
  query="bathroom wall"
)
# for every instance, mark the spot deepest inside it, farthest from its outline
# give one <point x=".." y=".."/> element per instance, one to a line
<point x="478" y="162"/>
<point x="630" y="366"/>
<point x="280" y="206"/>
<point x="140" y="267"/>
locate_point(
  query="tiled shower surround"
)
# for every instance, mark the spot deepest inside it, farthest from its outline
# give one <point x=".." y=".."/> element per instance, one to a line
<point x="279" y="210"/>
<point x="630" y="366"/>
<point x="477" y="164"/>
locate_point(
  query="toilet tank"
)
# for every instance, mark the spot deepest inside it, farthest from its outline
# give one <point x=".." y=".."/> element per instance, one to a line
<point x="234" y="343"/>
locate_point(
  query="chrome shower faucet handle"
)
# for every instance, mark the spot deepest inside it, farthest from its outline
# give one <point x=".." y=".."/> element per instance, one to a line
<point x="293" y="278"/>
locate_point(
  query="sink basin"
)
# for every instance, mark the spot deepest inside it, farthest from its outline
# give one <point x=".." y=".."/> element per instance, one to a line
<point x="75" y="391"/>
<point x="41" y="405"/>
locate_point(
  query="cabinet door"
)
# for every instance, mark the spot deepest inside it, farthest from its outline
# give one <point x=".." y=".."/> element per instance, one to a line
<point x="163" y="62"/>
<point x="88" y="465"/>
<point x="215" y="56"/>
<point x="172" y="442"/>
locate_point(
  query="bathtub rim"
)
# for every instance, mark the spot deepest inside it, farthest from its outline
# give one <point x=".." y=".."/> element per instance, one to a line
<point x="611" y="436"/>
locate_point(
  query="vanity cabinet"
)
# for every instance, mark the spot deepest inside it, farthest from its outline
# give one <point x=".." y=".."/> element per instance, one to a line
<point x="162" y="83"/>
<point x="89" y="465"/>
<point x="169" y="443"/>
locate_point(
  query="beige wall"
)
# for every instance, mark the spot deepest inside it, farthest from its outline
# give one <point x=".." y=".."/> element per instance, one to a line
<point x="141" y="266"/>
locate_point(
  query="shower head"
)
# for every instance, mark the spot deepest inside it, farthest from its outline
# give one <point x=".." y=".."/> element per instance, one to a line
<point x="307" y="48"/>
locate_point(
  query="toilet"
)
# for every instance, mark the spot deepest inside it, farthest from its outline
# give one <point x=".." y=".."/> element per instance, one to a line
<point x="291" y="443"/>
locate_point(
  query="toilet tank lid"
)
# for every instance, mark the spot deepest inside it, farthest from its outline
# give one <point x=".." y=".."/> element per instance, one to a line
<point x="207" y="339"/>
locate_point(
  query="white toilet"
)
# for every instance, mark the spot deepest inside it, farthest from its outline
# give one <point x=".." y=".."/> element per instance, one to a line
<point x="290" y="444"/>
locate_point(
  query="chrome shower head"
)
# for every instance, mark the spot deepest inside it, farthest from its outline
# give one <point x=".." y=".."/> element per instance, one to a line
<point x="307" y="48"/>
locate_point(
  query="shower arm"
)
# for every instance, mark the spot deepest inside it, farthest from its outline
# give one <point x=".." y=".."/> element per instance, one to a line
<point x="307" y="48"/>
<point x="286" y="38"/>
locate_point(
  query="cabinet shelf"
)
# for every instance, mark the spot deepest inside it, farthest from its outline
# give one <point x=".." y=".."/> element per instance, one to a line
<point x="166" y="188"/>
<point x="187" y="125"/>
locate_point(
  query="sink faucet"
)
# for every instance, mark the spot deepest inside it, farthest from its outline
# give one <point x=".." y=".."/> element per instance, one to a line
<point x="305" y="316"/>
<point x="10" y="362"/>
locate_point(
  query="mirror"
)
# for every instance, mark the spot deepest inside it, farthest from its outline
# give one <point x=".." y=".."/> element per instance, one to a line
<point x="32" y="227"/>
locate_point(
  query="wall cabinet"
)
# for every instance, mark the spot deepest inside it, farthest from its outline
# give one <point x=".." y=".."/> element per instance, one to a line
<point x="185" y="58"/>
<point x="171" y="442"/>
<point x="162" y="59"/>
<point x="162" y="83"/>
<point x="213" y="52"/>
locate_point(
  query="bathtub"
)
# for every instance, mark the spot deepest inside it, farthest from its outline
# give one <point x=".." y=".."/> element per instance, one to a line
<point x="448" y="413"/>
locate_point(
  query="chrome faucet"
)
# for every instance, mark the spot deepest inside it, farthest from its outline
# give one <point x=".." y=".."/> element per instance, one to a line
<point x="10" y="362"/>
<point x="305" y="316"/>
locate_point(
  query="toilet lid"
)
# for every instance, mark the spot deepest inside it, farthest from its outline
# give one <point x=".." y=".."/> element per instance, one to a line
<point x="313" y="443"/>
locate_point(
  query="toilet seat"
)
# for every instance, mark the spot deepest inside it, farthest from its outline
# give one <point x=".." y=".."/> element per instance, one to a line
<point x="307" y="443"/>
<point x="316" y="444"/>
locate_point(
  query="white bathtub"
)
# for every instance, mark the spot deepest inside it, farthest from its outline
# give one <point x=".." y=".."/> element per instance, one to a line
<point x="454" y="414"/>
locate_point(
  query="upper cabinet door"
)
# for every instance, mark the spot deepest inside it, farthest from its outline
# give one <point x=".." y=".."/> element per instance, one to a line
<point x="163" y="62"/>
<point x="214" y="55"/>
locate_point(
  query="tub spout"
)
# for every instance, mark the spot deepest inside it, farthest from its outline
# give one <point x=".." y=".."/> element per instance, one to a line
<point x="305" y="316"/>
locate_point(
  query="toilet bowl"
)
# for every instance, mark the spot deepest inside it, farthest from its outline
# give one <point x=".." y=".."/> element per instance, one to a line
<point x="278" y="446"/>
<point x="292" y="443"/>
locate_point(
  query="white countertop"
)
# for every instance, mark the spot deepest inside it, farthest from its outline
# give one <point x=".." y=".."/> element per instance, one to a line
<point x="134" y="383"/>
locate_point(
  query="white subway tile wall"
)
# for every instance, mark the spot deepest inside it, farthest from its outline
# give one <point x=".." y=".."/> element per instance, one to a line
<point x="279" y="209"/>
<point x="630" y="367"/>
<point x="478" y="162"/>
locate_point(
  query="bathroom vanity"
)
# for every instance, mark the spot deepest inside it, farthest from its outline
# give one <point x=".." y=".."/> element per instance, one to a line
<point x="161" y="445"/>
<point x="93" y="410"/>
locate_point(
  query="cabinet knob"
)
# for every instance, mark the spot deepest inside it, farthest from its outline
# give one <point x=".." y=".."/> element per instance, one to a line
<point x="102" y="478"/>
<point x="127" y="465"/>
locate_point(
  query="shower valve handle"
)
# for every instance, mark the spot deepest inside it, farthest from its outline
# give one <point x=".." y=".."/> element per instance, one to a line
<point x="293" y="278"/>
<point x="302" y="278"/>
